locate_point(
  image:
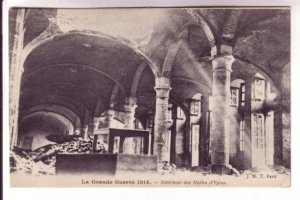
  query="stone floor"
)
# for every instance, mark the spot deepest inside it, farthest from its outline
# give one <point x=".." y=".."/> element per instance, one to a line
<point x="42" y="162"/>
<point x="202" y="176"/>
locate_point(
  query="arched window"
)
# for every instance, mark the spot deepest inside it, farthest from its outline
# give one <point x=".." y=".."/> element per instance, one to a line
<point x="237" y="93"/>
<point x="195" y="106"/>
<point x="258" y="130"/>
<point x="242" y="135"/>
<point x="180" y="113"/>
<point x="242" y="95"/>
<point x="259" y="88"/>
<point x="234" y="96"/>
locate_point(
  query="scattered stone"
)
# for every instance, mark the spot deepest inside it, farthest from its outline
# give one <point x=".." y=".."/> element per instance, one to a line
<point x="167" y="168"/>
<point x="233" y="171"/>
<point x="42" y="160"/>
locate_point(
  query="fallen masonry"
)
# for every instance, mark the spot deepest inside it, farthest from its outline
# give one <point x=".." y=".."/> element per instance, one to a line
<point x="42" y="161"/>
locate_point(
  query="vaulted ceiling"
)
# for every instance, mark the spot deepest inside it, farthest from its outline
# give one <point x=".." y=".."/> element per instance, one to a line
<point x="78" y="69"/>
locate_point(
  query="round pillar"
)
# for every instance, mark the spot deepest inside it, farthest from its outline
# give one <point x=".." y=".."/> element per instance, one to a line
<point x="161" y="116"/>
<point x="96" y="123"/>
<point x="220" y="113"/>
<point x="110" y="118"/>
<point x="129" y="143"/>
<point x="85" y="134"/>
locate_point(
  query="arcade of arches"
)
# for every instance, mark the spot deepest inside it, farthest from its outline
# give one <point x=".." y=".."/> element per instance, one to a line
<point x="211" y="85"/>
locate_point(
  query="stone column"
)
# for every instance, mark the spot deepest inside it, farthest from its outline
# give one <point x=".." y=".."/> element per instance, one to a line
<point x="96" y="122"/>
<point x="85" y="127"/>
<point x="203" y="131"/>
<point x="109" y="123"/>
<point x="129" y="143"/>
<point x="162" y="88"/>
<point x="220" y="113"/>
<point x="173" y="135"/>
<point x="98" y="108"/>
<point x="187" y="138"/>
<point x="110" y="118"/>
<point x="278" y="137"/>
<point x="247" y="155"/>
<point x="77" y="130"/>
<point x="85" y="134"/>
<point x="94" y="126"/>
<point x="16" y="71"/>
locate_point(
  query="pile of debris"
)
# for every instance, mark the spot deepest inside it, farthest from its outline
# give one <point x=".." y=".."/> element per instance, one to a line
<point x="271" y="170"/>
<point x="42" y="160"/>
<point x="166" y="168"/>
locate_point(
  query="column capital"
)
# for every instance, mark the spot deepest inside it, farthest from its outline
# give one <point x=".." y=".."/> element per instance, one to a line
<point x="162" y="91"/>
<point x="110" y="112"/>
<point x="96" y="119"/>
<point x="85" y="126"/>
<point x="223" y="62"/>
<point x="129" y="108"/>
<point x="162" y="87"/>
<point x="162" y="82"/>
<point x="130" y="101"/>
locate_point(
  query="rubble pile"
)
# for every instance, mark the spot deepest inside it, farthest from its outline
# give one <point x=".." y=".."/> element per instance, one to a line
<point x="166" y="168"/>
<point x="42" y="160"/>
<point x="275" y="170"/>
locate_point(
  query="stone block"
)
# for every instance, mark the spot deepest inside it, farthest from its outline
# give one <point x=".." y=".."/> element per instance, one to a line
<point x="136" y="163"/>
<point x="221" y="170"/>
<point x="104" y="164"/>
<point x="86" y="164"/>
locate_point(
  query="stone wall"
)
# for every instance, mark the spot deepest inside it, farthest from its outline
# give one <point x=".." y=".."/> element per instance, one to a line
<point x="286" y="137"/>
<point x="235" y="155"/>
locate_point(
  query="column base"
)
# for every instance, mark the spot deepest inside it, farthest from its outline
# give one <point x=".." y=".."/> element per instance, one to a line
<point x="221" y="169"/>
<point x="128" y="146"/>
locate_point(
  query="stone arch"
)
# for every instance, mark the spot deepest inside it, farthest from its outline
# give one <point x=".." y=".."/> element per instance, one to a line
<point x="60" y="118"/>
<point x="230" y="26"/>
<point x="261" y="71"/>
<point x="203" y="88"/>
<point x="62" y="110"/>
<point x="137" y="78"/>
<point x="79" y="87"/>
<point x="114" y="96"/>
<point x="197" y="96"/>
<point x="47" y="36"/>
<point x="181" y="105"/>
<point x="170" y="58"/>
<point x="236" y="81"/>
<point x="79" y="113"/>
<point x="198" y="19"/>
<point x="38" y="125"/>
<point x="92" y="68"/>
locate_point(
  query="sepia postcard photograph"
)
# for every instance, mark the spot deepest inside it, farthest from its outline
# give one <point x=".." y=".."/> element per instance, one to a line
<point x="149" y="97"/>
